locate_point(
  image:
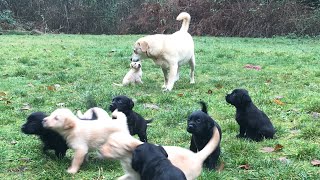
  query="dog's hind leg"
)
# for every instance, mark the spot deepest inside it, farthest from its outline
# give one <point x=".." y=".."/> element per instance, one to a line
<point x="192" y="68"/>
<point x="165" y="75"/>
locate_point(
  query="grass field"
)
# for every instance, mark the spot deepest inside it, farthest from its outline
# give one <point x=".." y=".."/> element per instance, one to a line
<point x="287" y="88"/>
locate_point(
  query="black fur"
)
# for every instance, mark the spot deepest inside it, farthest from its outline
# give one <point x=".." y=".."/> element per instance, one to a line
<point x="49" y="138"/>
<point x="136" y="123"/>
<point x="201" y="125"/>
<point x="254" y="123"/>
<point x="151" y="162"/>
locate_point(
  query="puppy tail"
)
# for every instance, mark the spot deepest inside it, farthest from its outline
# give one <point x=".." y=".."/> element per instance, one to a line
<point x="203" y="107"/>
<point x="211" y="146"/>
<point x="186" y="20"/>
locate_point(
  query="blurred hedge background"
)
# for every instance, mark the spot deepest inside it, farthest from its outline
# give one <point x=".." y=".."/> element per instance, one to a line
<point x="242" y="18"/>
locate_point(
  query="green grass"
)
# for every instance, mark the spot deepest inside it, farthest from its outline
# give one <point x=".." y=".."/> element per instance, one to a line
<point x="85" y="65"/>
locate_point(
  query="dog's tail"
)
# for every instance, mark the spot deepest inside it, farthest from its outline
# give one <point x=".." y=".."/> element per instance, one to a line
<point x="211" y="146"/>
<point x="186" y="20"/>
<point x="204" y="107"/>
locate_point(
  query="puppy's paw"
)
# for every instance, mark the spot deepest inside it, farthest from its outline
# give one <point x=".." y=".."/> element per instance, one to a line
<point x="192" y="82"/>
<point x="72" y="170"/>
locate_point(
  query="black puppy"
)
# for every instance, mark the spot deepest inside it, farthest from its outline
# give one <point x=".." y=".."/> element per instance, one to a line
<point x="254" y="123"/>
<point x="49" y="138"/>
<point x="136" y="123"/>
<point x="151" y="162"/>
<point x="201" y="125"/>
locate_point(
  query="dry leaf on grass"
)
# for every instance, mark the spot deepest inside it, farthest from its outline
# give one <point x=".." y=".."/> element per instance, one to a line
<point x="284" y="160"/>
<point x="277" y="101"/>
<point x="3" y="94"/>
<point x="250" y="66"/>
<point x="315" y="162"/>
<point x="221" y="167"/>
<point x="277" y="148"/>
<point x="180" y="94"/>
<point x="244" y="166"/>
<point x="210" y="91"/>
<point x="26" y="107"/>
<point x="151" y="106"/>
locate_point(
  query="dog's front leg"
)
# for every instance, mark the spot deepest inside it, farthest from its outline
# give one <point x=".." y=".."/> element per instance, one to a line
<point x="77" y="160"/>
<point x="172" y="75"/>
<point x="242" y="132"/>
<point x="165" y="75"/>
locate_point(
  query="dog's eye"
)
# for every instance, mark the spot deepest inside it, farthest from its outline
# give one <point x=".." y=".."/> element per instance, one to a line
<point x="56" y="118"/>
<point x="198" y="120"/>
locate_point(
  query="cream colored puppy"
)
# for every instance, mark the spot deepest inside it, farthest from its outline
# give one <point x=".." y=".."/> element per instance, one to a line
<point x="134" y="75"/>
<point x="168" y="51"/>
<point x="83" y="135"/>
<point x="120" y="146"/>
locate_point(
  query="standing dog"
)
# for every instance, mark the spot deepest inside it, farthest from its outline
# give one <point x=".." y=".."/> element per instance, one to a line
<point x="120" y="145"/>
<point x="49" y="138"/>
<point x="152" y="163"/>
<point x="83" y="135"/>
<point x="254" y="123"/>
<point x="136" y="123"/>
<point x="200" y="125"/>
<point x="168" y="51"/>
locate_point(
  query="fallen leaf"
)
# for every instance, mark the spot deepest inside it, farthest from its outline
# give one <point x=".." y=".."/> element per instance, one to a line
<point x="278" y="97"/>
<point x="267" y="149"/>
<point x="221" y="167"/>
<point x="25" y="159"/>
<point x="284" y="160"/>
<point x="151" y="106"/>
<point x="245" y="166"/>
<point x="315" y="115"/>
<point x="268" y="81"/>
<point x="315" y="162"/>
<point x="26" y="107"/>
<point x="277" y="101"/>
<point x="3" y="94"/>
<point x="51" y="88"/>
<point x="13" y="142"/>
<point x="180" y="94"/>
<point x="210" y="91"/>
<point x="250" y="66"/>
<point x="278" y="147"/>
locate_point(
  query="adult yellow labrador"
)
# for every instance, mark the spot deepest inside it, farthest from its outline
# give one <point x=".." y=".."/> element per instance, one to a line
<point x="168" y="51"/>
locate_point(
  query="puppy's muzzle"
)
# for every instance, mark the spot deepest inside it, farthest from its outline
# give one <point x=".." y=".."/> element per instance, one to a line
<point x="191" y="128"/>
<point x="228" y="98"/>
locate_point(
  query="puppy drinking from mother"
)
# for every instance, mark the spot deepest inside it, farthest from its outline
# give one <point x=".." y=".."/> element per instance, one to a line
<point x="168" y="51"/>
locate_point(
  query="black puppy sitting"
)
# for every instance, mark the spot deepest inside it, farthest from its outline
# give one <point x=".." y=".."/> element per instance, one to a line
<point x="49" y="138"/>
<point x="136" y="123"/>
<point x="254" y="123"/>
<point x="151" y="162"/>
<point x="201" y="125"/>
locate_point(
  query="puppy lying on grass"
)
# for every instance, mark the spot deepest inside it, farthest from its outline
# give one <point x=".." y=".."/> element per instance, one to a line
<point x="136" y="123"/>
<point x="120" y="145"/>
<point x="254" y="123"/>
<point x="151" y="162"/>
<point x="49" y="138"/>
<point x="83" y="135"/>
<point x="200" y="125"/>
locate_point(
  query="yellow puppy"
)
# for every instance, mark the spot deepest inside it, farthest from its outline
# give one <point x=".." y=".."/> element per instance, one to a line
<point x="120" y="146"/>
<point x="83" y="135"/>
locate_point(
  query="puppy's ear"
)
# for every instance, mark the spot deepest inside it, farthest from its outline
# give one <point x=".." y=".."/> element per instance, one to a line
<point x="144" y="46"/>
<point x="136" y="163"/>
<point x="163" y="151"/>
<point x="245" y="99"/>
<point x="210" y="124"/>
<point x="131" y="104"/>
<point x="68" y="123"/>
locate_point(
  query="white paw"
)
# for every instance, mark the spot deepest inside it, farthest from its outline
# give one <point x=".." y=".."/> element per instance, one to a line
<point x="72" y="170"/>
